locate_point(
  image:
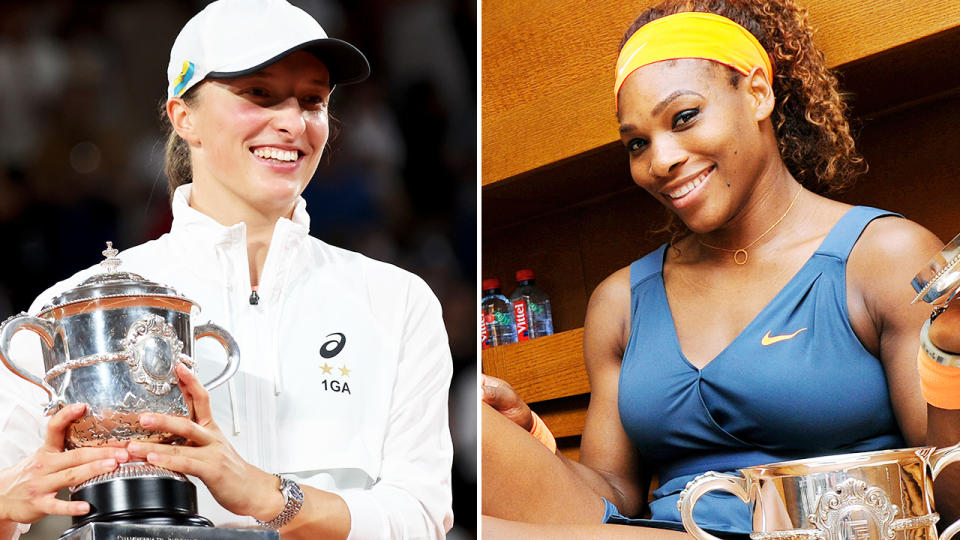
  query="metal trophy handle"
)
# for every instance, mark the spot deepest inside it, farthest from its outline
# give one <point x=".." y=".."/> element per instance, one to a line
<point x="699" y="486"/>
<point x="43" y="328"/>
<point x="938" y="461"/>
<point x="939" y="281"/>
<point x="228" y="343"/>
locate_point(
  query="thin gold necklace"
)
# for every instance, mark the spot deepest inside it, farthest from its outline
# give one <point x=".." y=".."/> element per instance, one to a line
<point x="742" y="252"/>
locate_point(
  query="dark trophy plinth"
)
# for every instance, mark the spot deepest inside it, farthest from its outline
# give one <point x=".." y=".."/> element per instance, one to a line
<point x="142" y="502"/>
<point x="125" y="531"/>
<point x="140" y="497"/>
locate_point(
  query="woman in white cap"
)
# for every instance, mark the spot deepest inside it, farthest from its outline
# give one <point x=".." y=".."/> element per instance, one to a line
<point x="336" y="424"/>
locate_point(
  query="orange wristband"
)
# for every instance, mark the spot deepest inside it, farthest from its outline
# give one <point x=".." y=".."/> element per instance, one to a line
<point x="542" y="433"/>
<point x="939" y="384"/>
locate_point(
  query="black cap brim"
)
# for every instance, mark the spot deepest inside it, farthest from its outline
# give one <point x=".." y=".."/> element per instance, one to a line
<point x="347" y="65"/>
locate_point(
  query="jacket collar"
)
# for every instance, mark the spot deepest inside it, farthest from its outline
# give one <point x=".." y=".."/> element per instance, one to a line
<point x="202" y="237"/>
<point x="190" y="220"/>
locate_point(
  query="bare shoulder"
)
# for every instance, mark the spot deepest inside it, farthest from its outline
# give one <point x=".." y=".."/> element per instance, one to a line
<point x="889" y="253"/>
<point x="894" y="240"/>
<point x="614" y="289"/>
<point x="608" y="316"/>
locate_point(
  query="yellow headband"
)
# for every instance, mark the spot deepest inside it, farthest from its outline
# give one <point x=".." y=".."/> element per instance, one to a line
<point x="692" y="34"/>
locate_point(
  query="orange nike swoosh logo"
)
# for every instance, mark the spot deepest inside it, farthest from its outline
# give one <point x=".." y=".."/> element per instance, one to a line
<point x="770" y="340"/>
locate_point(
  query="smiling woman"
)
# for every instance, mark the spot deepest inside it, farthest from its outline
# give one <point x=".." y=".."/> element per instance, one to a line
<point x="716" y="351"/>
<point x="255" y="142"/>
<point x="312" y="438"/>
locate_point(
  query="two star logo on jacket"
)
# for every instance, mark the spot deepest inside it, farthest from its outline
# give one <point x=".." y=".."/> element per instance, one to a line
<point x="768" y="340"/>
<point x="327" y="369"/>
<point x="328" y="350"/>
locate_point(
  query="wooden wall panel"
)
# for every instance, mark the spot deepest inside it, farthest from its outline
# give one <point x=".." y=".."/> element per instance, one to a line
<point x="547" y="67"/>
<point x="551" y="248"/>
<point x="914" y="158"/>
<point x="618" y="230"/>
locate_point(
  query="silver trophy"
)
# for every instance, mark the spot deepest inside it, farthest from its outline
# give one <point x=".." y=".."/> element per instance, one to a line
<point x="883" y="495"/>
<point x="113" y="343"/>
<point x="938" y="282"/>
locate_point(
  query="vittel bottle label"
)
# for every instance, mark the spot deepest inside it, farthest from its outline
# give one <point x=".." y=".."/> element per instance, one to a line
<point x="485" y="319"/>
<point x="523" y="321"/>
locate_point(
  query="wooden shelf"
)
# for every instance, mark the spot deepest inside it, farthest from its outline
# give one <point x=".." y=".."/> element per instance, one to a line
<point x="547" y="65"/>
<point x="548" y="373"/>
<point x="525" y="365"/>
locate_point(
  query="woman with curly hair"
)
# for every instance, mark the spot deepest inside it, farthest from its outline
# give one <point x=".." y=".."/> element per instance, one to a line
<point x="777" y="323"/>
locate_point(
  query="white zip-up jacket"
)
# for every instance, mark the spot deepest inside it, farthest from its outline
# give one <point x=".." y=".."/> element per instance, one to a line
<point x="344" y="369"/>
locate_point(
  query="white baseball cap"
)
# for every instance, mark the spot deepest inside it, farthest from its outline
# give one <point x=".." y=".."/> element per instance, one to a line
<point x="233" y="38"/>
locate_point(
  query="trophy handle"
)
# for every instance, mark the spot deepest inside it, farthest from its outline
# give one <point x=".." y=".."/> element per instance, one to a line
<point x="43" y="328"/>
<point x="228" y="343"/>
<point x="708" y="481"/>
<point x="938" y="461"/>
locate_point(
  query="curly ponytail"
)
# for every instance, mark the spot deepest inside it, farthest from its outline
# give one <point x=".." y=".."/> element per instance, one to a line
<point x="810" y="114"/>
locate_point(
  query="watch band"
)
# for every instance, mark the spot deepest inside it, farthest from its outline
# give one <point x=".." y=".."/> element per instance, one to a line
<point x="935" y="353"/>
<point x="293" y="501"/>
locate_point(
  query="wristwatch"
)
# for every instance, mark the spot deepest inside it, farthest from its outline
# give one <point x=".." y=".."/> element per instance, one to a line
<point x="293" y="501"/>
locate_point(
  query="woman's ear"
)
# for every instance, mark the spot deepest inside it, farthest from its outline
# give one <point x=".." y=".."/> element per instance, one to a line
<point x="761" y="94"/>
<point x="181" y="118"/>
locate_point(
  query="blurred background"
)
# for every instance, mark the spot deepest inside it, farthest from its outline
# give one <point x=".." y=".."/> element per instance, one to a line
<point x="81" y="157"/>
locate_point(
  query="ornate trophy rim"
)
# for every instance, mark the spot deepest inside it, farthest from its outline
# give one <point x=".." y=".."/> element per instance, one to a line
<point x="132" y="469"/>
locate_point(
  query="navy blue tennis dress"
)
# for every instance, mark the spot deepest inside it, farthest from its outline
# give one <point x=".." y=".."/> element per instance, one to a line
<point x="761" y="400"/>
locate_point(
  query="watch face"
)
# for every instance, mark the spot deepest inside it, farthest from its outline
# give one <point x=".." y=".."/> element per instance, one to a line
<point x="293" y="501"/>
<point x="295" y="492"/>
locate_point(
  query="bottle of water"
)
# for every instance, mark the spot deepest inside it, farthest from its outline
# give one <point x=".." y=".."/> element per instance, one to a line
<point x="496" y="323"/>
<point x="531" y="308"/>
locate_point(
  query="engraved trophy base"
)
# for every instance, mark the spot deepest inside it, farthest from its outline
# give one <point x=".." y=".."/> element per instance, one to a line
<point x="124" y="531"/>
<point x="138" y="494"/>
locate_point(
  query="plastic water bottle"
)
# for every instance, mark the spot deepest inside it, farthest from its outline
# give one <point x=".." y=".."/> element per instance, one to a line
<point x="531" y="308"/>
<point x="496" y="324"/>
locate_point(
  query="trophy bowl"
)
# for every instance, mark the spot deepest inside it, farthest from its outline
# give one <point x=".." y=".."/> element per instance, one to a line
<point x="113" y="343"/>
<point x="882" y="495"/>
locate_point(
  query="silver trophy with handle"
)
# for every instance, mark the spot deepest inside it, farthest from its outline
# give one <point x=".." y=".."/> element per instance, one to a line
<point x="113" y="342"/>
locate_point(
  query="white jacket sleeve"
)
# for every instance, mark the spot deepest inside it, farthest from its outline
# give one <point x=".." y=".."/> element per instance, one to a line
<point x="412" y="498"/>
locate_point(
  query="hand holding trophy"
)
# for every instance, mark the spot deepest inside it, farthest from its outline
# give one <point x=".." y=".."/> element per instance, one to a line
<point x="114" y="343"/>
<point x="937" y="284"/>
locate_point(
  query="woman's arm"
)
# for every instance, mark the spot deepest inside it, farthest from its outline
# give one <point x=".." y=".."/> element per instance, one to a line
<point x="522" y="480"/>
<point x="608" y="459"/>
<point x="887" y="257"/>
<point x="884" y="260"/>
<point x="236" y="485"/>
<point x="494" y="528"/>
<point x="943" y="425"/>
